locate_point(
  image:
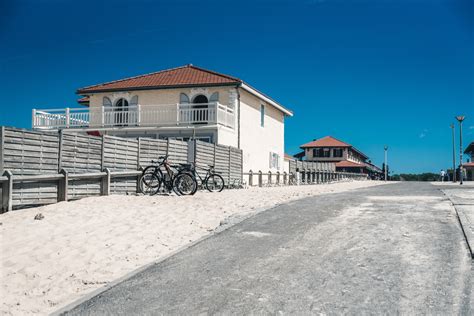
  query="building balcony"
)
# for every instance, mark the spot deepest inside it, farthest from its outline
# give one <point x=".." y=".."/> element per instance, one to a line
<point x="134" y="116"/>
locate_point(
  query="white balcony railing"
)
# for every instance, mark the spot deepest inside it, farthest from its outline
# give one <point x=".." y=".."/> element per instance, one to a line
<point x="148" y="115"/>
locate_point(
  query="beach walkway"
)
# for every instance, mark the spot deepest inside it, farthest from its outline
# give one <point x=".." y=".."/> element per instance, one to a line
<point x="462" y="198"/>
<point x="388" y="249"/>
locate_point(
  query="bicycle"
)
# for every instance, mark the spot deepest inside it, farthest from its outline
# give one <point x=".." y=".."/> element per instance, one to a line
<point x="180" y="182"/>
<point x="212" y="181"/>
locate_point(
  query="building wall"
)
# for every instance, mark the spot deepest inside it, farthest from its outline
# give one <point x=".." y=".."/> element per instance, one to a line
<point x="355" y="157"/>
<point x="310" y="157"/>
<point x="258" y="142"/>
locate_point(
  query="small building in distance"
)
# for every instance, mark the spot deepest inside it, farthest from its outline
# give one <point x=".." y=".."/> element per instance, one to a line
<point x="346" y="157"/>
<point x="469" y="166"/>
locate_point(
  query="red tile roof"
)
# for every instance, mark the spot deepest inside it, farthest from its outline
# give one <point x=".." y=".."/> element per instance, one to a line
<point x="468" y="164"/>
<point x="288" y="156"/>
<point x="469" y="148"/>
<point x="188" y="75"/>
<point x="327" y="141"/>
<point x="349" y="164"/>
<point x="84" y="100"/>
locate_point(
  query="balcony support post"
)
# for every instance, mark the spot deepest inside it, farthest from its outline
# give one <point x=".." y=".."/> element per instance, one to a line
<point x="33" y="118"/>
<point x="68" y="117"/>
<point x="177" y="113"/>
<point x="139" y="115"/>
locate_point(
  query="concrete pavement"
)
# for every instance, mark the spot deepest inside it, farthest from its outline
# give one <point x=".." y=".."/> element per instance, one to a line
<point x="462" y="198"/>
<point x="390" y="249"/>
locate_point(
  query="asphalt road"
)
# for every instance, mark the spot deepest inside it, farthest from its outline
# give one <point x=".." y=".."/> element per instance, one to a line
<point x="391" y="249"/>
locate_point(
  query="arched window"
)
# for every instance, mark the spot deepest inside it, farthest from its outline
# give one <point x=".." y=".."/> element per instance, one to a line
<point x="200" y="109"/>
<point x="183" y="98"/>
<point x="134" y="101"/>
<point x="214" y="97"/>
<point x="121" y="112"/>
<point x="106" y="102"/>
<point x="200" y="99"/>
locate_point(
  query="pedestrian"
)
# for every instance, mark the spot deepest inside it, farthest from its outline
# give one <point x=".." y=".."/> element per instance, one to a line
<point x="442" y="174"/>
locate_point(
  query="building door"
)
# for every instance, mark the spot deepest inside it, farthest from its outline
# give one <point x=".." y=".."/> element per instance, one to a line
<point x="121" y="112"/>
<point x="200" y="109"/>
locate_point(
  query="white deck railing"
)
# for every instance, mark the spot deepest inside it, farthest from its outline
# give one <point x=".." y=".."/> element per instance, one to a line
<point x="141" y="115"/>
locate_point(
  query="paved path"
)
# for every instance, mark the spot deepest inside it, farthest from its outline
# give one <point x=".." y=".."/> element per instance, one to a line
<point x="462" y="198"/>
<point x="391" y="249"/>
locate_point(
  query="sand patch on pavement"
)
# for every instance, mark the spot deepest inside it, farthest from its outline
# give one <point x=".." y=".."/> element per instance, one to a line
<point x="405" y="198"/>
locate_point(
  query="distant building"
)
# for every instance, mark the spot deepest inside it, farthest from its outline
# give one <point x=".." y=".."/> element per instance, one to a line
<point x="469" y="166"/>
<point x="347" y="157"/>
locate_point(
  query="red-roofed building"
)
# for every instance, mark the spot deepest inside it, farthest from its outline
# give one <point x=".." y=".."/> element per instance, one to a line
<point x="469" y="166"/>
<point x="347" y="157"/>
<point x="181" y="103"/>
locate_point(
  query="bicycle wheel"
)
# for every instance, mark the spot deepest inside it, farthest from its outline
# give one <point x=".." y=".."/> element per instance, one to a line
<point x="215" y="183"/>
<point x="185" y="184"/>
<point x="149" y="184"/>
<point x="150" y="170"/>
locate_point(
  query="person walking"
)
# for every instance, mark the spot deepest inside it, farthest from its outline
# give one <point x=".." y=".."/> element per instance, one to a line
<point x="442" y="175"/>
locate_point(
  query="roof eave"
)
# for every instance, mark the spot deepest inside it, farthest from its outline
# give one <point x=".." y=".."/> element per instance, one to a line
<point x="267" y="99"/>
<point x="85" y="91"/>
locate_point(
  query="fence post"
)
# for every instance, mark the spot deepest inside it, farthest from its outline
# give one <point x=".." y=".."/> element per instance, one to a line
<point x="102" y="157"/>
<point x="7" y="192"/>
<point x="285" y="177"/>
<point x="2" y="148"/>
<point x="269" y="177"/>
<point x="228" y="166"/>
<point x="63" y="186"/>
<point x="105" y="183"/>
<point x="250" y="178"/>
<point x="60" y="151"/>
<point x="278" y="178"/>
<point x="138" y="154"/>
<point x="260" y="180"/>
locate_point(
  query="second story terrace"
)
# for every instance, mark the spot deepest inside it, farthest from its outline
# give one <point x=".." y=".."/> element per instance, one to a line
<point x="161" y="115"/>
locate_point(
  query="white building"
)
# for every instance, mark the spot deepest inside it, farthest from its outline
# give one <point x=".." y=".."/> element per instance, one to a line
<point x="181" y="103"/>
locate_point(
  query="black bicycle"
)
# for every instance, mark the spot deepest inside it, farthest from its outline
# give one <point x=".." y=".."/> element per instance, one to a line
<point x="177" y="180"/>
<point x="212" y="181"/>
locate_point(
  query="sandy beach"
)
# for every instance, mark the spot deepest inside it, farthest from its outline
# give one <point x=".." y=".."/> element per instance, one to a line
<point x="83" y="245"/>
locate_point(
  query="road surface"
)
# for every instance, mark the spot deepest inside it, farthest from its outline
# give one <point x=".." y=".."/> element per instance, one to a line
<point x="396" y="248"/>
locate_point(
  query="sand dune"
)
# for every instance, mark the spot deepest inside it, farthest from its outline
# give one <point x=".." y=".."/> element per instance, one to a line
<point x="83" y="245"/>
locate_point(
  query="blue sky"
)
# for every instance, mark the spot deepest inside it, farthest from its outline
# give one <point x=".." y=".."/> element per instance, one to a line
<point x="370" y="72"/>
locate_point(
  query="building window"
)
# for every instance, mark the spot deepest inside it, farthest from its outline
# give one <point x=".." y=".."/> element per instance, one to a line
<point x="337" y="152"/>
<point x="274" y="160"/>
<point x="327" y="153"/>
<point x="318" y="152"/>
<point x="262" y="115"/>
<point x="106" y="102"/>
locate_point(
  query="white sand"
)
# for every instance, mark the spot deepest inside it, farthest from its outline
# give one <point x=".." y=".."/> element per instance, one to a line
<point x="450" y="183"/>
<point x="83" y="245"/>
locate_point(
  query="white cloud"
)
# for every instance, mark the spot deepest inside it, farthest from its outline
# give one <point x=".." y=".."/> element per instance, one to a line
<point x="423" y="134"/>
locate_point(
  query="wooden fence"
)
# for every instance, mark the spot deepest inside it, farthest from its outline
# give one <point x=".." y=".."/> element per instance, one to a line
<point x="34" y="163"/>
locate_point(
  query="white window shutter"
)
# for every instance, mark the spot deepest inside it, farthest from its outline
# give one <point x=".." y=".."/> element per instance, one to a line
<point x="214" y="97"/>
<point x="134" y="100"/>
<point x="106" y="102"/>
<point x="183" y="98"/>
